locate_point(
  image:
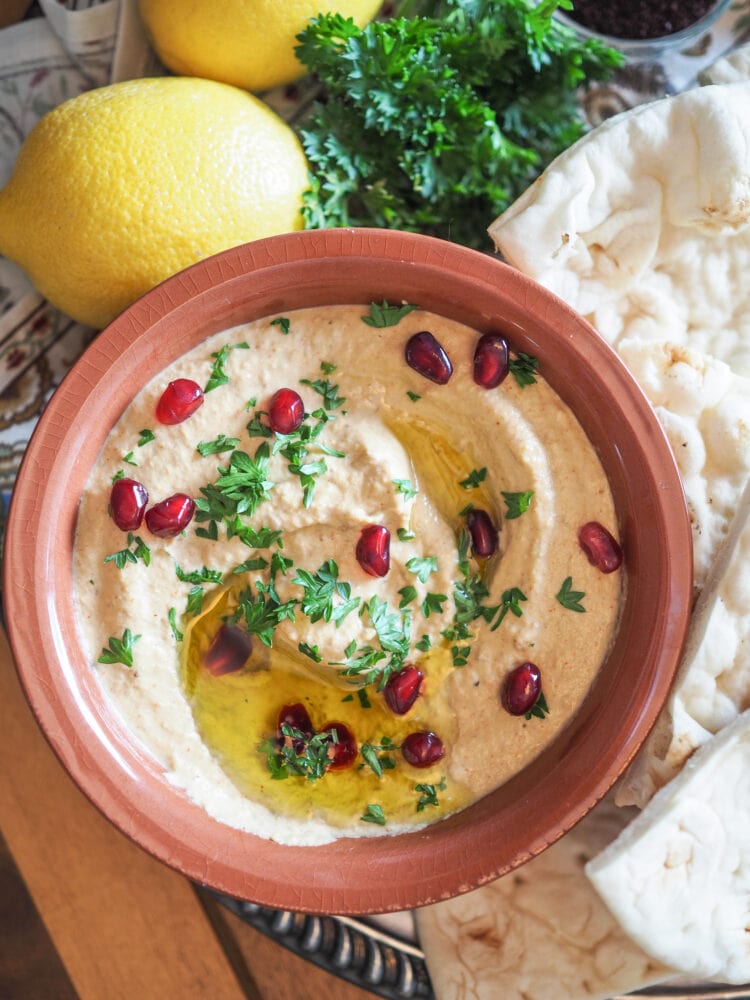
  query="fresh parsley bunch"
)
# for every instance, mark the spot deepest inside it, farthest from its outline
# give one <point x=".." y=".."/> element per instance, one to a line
<point x="436" y="122"/>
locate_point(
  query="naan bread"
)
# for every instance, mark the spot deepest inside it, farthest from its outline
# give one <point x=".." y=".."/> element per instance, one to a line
<point x="642" y="225"/>
<point x="539" y="933"/>
<point x="678" y="878"/>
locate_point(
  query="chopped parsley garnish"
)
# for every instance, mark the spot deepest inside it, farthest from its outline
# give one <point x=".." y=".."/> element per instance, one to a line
<point x="327" y="368"/>
<point x="146" y="436"/>
<point x="433" y="603"/>
<point x="325" y="595"/>
<point x="475" y="477"/>
<point x="404" y="535"/>
<point x="120" y="474"/>
<point x="421" y="567"/>
<point x="374" y="814"/>
<point x="240" y="488"/>
<point x="524" y="368"/>
<point x="262" y="611"/>
<point x="218" y="376"/>
<point x="393" y="630"/>
<point x="405" y="487"/>
<point x="129" y="458"/>
<point x="172" y="617"/>
<point x="539" y="709"/>
<point x="119" y="650"/>
<point x="257" y="427"/>
<point x="408" y="594"/>
<point x="377" y="756"/>
<point x="203" y="575"/>
<point x="194" y="604"/>
<point x="570" y="599"/>
<point x="219" y="444"/>
<point x="517" y="503"/>
<point x="136" y="549"/>
<point x="386" y="314"/>
<point x="250" y="565"/>
<point x="283" y="324"/>
<point x="329" y="392"/>
<point x="254" y="538"/>
<point x="469" y="593"/>
<point x="424" y="644"/>
<point x="298" y="754"/>
<point x="364" y="701"/>
<point x="510" y="601"/>
<point x="413" y="396"/>
<point x="310" y="651"/>
<point x="428" y="794"/>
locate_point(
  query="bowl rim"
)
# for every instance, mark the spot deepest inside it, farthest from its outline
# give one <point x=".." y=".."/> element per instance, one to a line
<point x="455" y="854"/>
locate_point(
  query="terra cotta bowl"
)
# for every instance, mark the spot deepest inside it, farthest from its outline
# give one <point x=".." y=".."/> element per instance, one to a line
<point x="505" y="828"/>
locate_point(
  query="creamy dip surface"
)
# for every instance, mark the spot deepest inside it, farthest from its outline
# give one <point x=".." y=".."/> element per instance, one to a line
<point x="399" y="451"/>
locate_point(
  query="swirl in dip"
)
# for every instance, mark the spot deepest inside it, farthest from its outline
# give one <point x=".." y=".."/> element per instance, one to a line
<point x="307" y="575"/>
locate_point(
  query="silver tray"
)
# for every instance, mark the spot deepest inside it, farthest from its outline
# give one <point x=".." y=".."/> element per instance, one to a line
<point x="377" y="959"/>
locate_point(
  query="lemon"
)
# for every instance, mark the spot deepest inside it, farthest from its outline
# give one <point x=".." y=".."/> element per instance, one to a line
<point x="120" y="187"/>
<point x="249" y="43"/>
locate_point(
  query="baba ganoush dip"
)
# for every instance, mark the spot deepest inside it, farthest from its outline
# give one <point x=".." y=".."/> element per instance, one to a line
<point x="346" y="570"/>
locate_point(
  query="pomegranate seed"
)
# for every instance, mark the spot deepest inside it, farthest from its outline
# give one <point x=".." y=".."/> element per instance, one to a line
<point x="228" y="652"/>
<point x="374" y="550"/>
<point x="344" y="750"/>
<point x="483" y="533"/>
<point x="490" y="360"/>
<point x="600" y="547"/>
<point x="168" y="517"/>
<point x="402" y="689"/>
<point x="179" y="401"/>
<point x="522" y="688"/>
<point x="426" y="356"/>
<point x="286" y="411"/>
<point x="297" y="717"/>
<point x="127" y="502"/>
<point x="422" y="749"/>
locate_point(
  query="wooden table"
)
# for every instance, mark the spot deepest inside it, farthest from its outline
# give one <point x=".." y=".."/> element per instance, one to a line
<point x="85" y="913"/>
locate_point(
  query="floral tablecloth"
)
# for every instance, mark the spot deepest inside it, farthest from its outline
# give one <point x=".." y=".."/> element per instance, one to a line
<point x="65" y="48"/>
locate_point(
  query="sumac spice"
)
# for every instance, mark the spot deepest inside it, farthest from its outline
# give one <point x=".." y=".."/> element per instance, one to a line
<point x="639" y="18"/>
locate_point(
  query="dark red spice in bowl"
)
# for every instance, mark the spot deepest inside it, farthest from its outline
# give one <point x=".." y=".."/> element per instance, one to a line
<point x="639" y="19"/>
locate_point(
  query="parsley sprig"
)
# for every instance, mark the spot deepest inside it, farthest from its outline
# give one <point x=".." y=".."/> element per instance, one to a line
<point x="524" y="369"/>
<point x="119" y="650"/>
<point x="569" y="598"/>
<point x="218" y="374"/>
<point x="386" y="314"/>
<point x="298" y="754"/>
<point x="136" y="549"/>
<point x="325" y="596"/>
<point x="440" y="143"/>
<point x="239" y="489"/>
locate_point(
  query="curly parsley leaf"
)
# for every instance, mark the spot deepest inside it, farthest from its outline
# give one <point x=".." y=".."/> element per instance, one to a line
<point x="440" y="143"/>
<point x="569" y="598"/>
<point x="239" y="489"/>
<point x="119" y="650"/>
<point x="517" y="503"/>
<point x="386" y="314"/>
